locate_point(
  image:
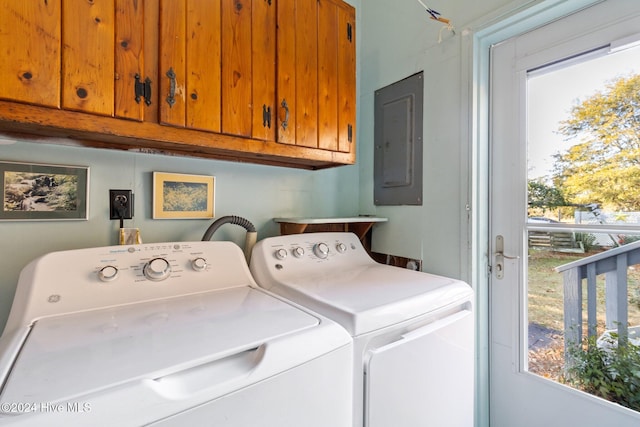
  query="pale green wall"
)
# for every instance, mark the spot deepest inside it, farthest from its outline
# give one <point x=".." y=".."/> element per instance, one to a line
<point x="397" y="40"/>
<point x="258" y="193"/>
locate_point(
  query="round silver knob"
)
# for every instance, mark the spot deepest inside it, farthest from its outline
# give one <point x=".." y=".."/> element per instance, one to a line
<point x="108" y="273"/>
<point x="321" y="250"/>
<point x="281" y="254"/>
<point x="199" y="264"/>
<point x="298" y="252"/>
<point x="157" y="269"/>
<point x="341" y="247"/>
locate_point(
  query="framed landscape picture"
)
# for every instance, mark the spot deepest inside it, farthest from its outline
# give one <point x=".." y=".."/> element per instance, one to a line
<point x="182" y="196"/>
<point x="35" y="192"/>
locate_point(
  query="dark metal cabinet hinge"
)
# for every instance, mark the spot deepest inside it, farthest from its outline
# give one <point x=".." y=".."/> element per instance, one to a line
<point x="349" y="31"/>
<point x="142" y="89"/>
<point x="350" y="133"/>
<point x="266" y="116"/>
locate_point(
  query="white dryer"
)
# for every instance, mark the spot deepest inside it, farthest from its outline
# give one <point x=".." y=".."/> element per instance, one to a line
<point x="413" y="332"/>
<point x="166" y="334"/>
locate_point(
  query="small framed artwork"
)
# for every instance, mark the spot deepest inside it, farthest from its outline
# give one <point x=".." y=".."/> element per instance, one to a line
<point x="40" y="192"/>
<point x="182" y="196"/>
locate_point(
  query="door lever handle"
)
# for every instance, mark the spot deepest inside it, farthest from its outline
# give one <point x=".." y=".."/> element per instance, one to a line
<point x="500" y="257"/>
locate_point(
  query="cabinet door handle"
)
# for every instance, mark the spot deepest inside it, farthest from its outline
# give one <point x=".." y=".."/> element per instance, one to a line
<point x="171" y="99"/>
<point x="285" y="122"/>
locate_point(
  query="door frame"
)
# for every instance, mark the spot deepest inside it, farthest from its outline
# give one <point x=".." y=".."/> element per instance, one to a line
<point x="477" y="39"/>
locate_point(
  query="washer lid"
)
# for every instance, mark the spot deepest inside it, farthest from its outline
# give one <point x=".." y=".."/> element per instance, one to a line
<point x="69" y="356"/>
<point x="370" y="296"/>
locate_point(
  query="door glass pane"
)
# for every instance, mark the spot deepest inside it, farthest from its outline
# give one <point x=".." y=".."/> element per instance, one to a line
<point x="583" y="170"/>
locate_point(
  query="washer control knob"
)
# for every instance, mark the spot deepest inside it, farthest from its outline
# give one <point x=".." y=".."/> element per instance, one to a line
<point x="341" y="247"/>
<point x="108" y="273"/>
<point x="298" y="252"/>
<point x="321" y="250"/>
<point x="157" y="269"/>
<point x="281" y="253"/>
<point x="199" y="264"/>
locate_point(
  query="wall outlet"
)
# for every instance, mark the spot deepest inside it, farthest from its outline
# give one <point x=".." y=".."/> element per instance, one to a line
<point x="120" y="204"/>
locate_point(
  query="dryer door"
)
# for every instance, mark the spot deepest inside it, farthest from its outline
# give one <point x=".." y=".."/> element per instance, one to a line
<point x="425" y="378"/>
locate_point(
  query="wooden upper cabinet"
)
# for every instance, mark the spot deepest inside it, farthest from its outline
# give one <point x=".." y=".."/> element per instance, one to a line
<point x="30" y="66"/>
<point x="316" y="74"/>
<point x="266" y="81"/>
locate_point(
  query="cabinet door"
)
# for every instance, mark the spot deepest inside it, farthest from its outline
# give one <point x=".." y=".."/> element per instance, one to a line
<point x="129" y="60"/>
<point x="236" y="67"/>
<point x="88" y="56"/>
<point x="83" y="56"/>
<point x="190" y="64"/>
<point x="346" y="79"/>
<point x="203" y="65"/>
<point x="102" y="54"/>
<point x="286" y="71"/>
<point x="172" y="72"/>
<point x="217" y="66"/>
<point x="316" y="74"/>
<point x="336" y="76"/>
<point x="30" y="46"/>
<point x="263" y="51"/>
<point x="298" y="72"/>
<point x="328" y="75"/>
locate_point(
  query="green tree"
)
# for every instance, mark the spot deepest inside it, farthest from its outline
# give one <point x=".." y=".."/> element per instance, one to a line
<point x="604" y="166"/>
<point x="544" y="196"/>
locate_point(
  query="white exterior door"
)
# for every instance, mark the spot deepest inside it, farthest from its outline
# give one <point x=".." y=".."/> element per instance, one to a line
<point x="517" y="396"/>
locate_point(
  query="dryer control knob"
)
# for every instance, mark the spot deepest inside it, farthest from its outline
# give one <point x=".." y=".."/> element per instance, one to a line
<point x="281" y="254"/>
<point x="108" y="273"/>
<point x="157" y="269"/>
<point x="341" y="247"/>
<point x="298" y="252"/>
<point x="199" y="264"/>
<point x="321" y="250"/>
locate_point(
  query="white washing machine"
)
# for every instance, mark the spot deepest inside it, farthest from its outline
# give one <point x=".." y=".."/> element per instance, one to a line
<point x="166" y="334"/>
<point x="413" y="332"/>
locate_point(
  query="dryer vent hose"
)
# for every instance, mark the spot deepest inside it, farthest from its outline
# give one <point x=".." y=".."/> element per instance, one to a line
<point x="251" y="237"/>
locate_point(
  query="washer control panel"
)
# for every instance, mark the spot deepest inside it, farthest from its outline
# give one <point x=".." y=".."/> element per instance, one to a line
<point x="82" y="279"/>
<point x="162" y="262"/>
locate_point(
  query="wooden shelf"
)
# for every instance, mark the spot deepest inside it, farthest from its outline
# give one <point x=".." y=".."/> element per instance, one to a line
<point x="359" y="225"/>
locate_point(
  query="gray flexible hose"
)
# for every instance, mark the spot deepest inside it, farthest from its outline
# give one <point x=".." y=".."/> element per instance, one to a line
<point x="229" y="219"/>
<point x="250" y="238"/>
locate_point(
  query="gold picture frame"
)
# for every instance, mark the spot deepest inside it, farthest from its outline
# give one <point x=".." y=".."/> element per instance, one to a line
<point x="183" y="196"/>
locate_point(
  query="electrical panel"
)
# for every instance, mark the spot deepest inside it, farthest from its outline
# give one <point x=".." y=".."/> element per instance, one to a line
<point x="398" y="142"/>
